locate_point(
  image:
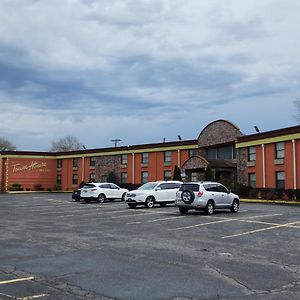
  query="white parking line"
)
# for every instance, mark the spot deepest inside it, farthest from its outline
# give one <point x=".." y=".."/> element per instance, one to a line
<point x="262" y="229"/>
<point x="137" y="214"/>
<point x="156" y="220"/>
<point x="203" y="224"/>
<point x="33" y="297"/>
<point x="16" y="280"/>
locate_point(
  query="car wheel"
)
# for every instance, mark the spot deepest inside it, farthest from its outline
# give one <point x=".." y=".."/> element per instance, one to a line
<point x="149" y="202"/>
<point x="101" y="198"/>
<point x="183" y="210"/>
<point x="235" y="206"/>
<point x="210" y="208"/>
<point x="123" y="197"/>
<point x="132" y="205"/>
<point x="187" y="196"/>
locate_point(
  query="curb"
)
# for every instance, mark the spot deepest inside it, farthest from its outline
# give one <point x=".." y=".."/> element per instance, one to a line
<point x="270" y="201"/>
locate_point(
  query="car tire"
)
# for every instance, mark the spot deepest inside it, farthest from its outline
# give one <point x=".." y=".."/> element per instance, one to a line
<point x="132" y="205"/>
<point x="123" y="197"/>
<point x="187" y="196"/>
<point x="183" y="210"/>
<point x="235" y="206"/>
<point x="149" y="203"/>
<point x="210" y="207"/>
<point x="101" y="198"/>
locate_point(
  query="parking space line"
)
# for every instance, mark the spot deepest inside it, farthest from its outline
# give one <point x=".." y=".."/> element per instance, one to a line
<point x="260" y="230"/>
<point x="33" y="297"/>
<point x="137" y="214"/>
<point x="203" y="224"/>
<point x="155" y="220"/>
<point x="16" y="280"/>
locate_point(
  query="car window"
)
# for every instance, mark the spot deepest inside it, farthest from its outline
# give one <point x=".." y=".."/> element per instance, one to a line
<point x="114" y="187"/>
<point x="105" y="186"/>
<point x="163" y="186"/>
<point x="222" y="189"/>
<point x="89" y="186"/>
<point x="190" y="186"/>
<point x="173" y="185"/>
<point x="211" y="187"/>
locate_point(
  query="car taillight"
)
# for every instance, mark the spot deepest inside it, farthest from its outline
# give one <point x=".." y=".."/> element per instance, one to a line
<point x="93" y="190"/>
<point x="200" y="194"/>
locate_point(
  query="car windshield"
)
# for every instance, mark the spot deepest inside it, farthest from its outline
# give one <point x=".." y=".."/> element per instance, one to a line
<point x="189" y="186"/>
<point x="148" y="186"/>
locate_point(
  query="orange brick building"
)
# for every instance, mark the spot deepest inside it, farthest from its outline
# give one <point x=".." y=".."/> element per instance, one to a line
<point x="264" y="160"/>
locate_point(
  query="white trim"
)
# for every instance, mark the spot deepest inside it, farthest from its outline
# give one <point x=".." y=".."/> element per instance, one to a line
<point x="133" y="171"/>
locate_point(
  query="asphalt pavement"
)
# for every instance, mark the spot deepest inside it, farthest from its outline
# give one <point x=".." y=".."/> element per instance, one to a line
<point x="54" y="248"/>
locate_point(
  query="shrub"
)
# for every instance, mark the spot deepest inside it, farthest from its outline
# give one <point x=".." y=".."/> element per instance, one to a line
<point x="57" y="187"/>
<point x="16" y="187"/>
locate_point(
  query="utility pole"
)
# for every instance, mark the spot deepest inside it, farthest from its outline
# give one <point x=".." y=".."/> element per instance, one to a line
<point x="116" y="141"/>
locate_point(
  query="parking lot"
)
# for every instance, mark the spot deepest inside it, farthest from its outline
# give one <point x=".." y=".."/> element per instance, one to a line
<point x="54" y="248"/>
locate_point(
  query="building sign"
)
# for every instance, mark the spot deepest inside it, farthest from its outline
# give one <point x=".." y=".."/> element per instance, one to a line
<point x="34" y="165"/>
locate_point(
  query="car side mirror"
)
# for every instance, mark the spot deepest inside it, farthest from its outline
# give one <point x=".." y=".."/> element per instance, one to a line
<point x="158" y="188"/>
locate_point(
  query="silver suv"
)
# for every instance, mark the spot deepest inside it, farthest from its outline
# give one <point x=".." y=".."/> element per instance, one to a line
<point x="206" y="195"/>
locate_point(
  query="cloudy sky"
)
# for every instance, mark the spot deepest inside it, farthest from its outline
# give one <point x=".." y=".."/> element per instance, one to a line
<point x="144" y="70"/>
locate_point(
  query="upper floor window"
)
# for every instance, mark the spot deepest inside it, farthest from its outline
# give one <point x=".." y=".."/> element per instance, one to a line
<point x="145" y="158"/>
<point x="279" y="150"/>
<point x="75" y="162"/>
<point x="192" y="152"/>
<point x="222" y="152"/>
<point x="124" y="159"/>
<point x="167" y="156"/>
<point x="252" y="153"/>
<point x="59" y="164"/>
<point x="92" y="161"/>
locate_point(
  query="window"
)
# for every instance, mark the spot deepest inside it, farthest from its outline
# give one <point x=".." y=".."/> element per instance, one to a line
<point x="167" y="175"/>
<point x="93" y="161"/>
<point x="225" y="152"/>
<point x="123" y="177"/>
<point x="279" y="150"/>
<point x="252" y="180"/>
<point x="59" y="164"/>
<point x="251" y="153"/>
<point x="75" y="179"/>
<point x="144" y="177"/>
<point x="124" y="159"/>
<point x="145" y="158"/>
<point x="92" y="177"/>
<point x="58" y="179"/>
<point x="75" y="162"/>
<point x="211" y="153"/>
<point x="192" y="152"/>
<point x="280" y="180"/>
<point x="167" y="156"/>
<point x="221" y="189"/>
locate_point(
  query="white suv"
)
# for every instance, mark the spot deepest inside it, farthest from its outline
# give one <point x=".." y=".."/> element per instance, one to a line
<point x="102" y="191"/>
<point x="161" y="192"/>
<point x="206" y="196"/>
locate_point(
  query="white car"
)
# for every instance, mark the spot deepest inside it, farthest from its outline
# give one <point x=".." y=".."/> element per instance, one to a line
<point x="161" y="192"/>
<point x="207" y="196"/>
<point x="102" y="191"/>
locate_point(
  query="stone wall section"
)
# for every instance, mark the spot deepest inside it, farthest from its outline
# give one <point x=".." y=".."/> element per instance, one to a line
<point x="195" y="162"/>
<point x="241" y="157"/>
<point x="107" y="164"/>
<point x="218" y="132"/>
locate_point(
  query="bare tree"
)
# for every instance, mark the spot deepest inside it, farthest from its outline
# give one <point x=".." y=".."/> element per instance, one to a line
<point x="68" y="143"/>
<point x="297" y="105"/>
<point x="5" y="144"/>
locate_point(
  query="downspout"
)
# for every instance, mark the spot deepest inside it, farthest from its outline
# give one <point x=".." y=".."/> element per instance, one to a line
<point x="294" y="164"/>
<point x="133" y="171"/>
<point x="82" y="171"/>
<point x="178" y="158"/>
<point x="263" y="165"/>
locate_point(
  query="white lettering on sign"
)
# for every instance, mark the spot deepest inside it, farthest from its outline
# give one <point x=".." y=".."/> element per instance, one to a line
<point x="34" y="165"/>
